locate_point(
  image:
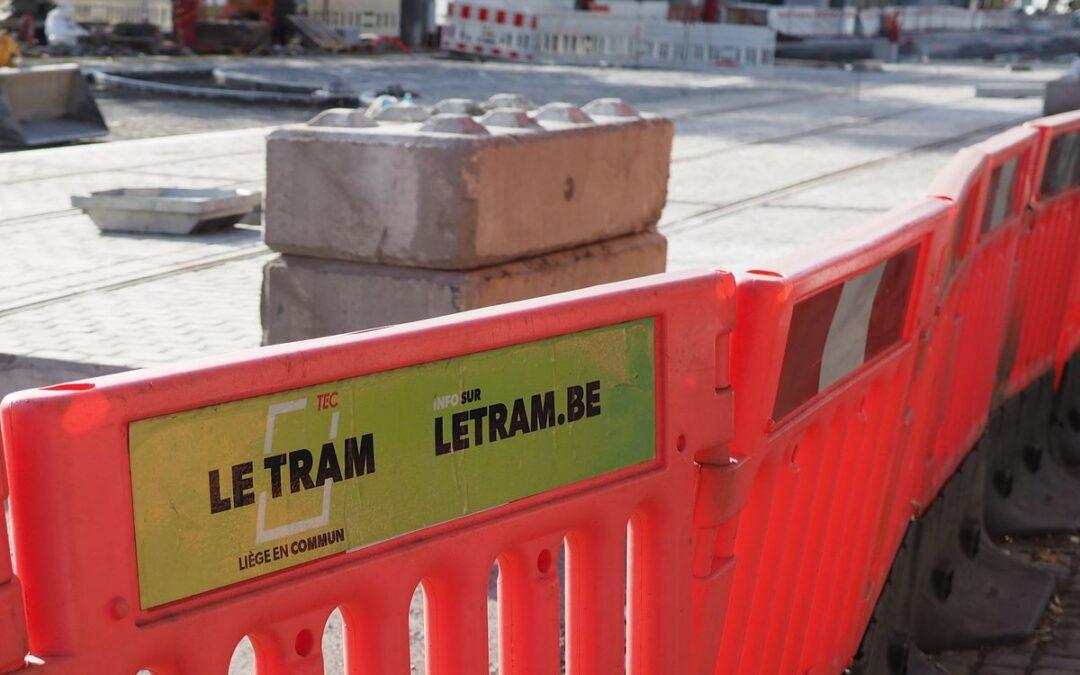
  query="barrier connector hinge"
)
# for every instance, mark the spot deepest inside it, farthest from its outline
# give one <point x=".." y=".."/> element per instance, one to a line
<point x="723" y="491"/>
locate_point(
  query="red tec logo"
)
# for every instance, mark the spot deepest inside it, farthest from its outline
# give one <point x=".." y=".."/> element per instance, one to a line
<point x="327" y="401"/>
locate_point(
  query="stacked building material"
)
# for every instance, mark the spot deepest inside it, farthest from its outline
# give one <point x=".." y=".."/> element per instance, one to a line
<point x="419" y="213"/>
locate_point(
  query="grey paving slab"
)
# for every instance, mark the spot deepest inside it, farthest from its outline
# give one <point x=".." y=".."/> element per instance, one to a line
<point x="728" y="176"/>
<point x="223" y="148"/>
<point x="79" y="257"/>
<point x="756" y="236"/>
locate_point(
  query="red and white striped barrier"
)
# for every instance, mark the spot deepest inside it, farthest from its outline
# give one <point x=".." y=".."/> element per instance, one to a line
<point x="557" y="35"/>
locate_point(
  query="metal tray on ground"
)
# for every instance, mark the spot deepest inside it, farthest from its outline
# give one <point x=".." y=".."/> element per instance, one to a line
<point x="167" y="210"/>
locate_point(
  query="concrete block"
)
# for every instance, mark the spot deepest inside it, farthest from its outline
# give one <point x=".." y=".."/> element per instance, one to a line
<point x="1021" y="89"/>
<point x="457" y="106"/>
<point x="342" y="117"/>
<point x="404" y="111"/>
<point x="1061" y="96"/>
<point x="562" y="112"/>
<point x="309" y="297"/>
<point x="513" y="101"/>
<point x="445" y="196"/>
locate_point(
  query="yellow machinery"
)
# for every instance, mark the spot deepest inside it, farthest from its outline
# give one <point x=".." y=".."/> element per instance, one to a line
<point x="9" y="51"/>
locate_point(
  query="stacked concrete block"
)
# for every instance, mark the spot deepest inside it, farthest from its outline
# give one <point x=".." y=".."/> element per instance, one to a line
<point x="412" y="213"/>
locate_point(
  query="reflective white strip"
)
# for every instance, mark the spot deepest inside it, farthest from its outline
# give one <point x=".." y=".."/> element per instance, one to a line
<point x="845" y="345"/>
<point x="262" y="534"/>
<point x="271" y="418"/>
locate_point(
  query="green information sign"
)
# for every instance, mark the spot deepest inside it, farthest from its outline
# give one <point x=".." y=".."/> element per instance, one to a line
<point x="238" y="490"/>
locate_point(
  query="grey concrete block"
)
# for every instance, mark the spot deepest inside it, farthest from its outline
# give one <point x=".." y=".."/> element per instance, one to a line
<point x="309" y="297"/>
<point x="1061" y="96"/>
<point x="402" y="195"/>
<point x="1010" y="89"/>
<point x="342" y="117"/>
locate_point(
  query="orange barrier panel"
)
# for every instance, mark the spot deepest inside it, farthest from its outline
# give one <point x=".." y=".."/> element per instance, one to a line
<point x="989" y="187"/>
<point x="1046" y="256"/>
<point x="12" y="619"/>
<point x="162" y="515"/>
<point x="1048" y="307"/>
<point x="820" y="431"/>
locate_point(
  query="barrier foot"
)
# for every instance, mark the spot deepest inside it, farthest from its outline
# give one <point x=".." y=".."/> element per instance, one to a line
<point x="888" y="646"/>
<point x="968" y="591"/>
<point x="986" y="600"/>
<point x="1065" y="442"/>
<point x="1027" y="491"/>
<point x="1065" y="423"/>
<point x="894" y="653"/>
<point x="950" y="587"/>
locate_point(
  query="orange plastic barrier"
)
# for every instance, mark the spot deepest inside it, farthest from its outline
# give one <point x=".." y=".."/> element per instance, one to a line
<point x="12" y="622"/>
<point x="989" y="187"/>
<point x="820" y="432"/>
<point x="1048" y="307"/>
<point x="1046" y="256"/>
<point x="118" y="482"/>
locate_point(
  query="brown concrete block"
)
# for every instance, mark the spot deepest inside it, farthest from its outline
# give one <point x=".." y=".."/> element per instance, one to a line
<point x="307" y="297"/>
<point x="465" y="193"/>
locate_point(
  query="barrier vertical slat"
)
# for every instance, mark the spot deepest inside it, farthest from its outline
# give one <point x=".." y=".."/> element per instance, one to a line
<point x="456" y="622"/>
<point x="806" y="605"/>
<point x="596" y="574"/>
<point x="769" y="569"/>
<point x="885" y="415"/>
<point x="291" y="647"/>
<point x="654" y="625"/>
<point x="807" y="491"/>
<point x="377" y="634"/>
<point x="13" y="642"/>
<point x="529" y="609"/>
<point x="855" y="433"/>
<point x="748" y="555"/>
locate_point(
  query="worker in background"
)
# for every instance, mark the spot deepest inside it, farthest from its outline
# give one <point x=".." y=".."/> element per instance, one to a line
<point x="61" y="28"/>
<point x="9" y="50"/>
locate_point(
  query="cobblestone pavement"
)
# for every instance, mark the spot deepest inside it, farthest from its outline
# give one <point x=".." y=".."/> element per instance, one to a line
<point x="766" y="164"/>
